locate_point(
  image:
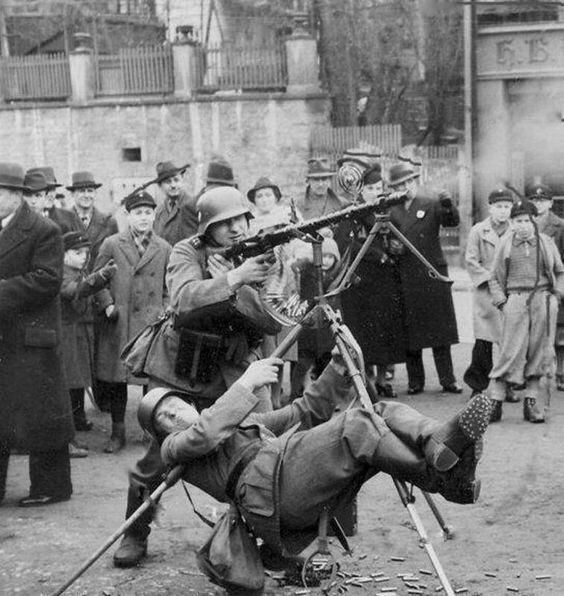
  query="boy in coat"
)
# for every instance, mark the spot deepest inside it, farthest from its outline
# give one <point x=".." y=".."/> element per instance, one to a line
<point x="77" y="334"/>
<point x="35" y="411"/>
<point x="480" y="249"/>
<point x="283" y="468"/>
<point x="136" y="297"/>
<point x="214" y="331"/>
<point x="527" y="282"/>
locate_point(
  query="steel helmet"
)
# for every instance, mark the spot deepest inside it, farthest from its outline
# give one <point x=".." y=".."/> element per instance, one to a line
<point x="219" y="204"/>
<point x="149" y="403"/>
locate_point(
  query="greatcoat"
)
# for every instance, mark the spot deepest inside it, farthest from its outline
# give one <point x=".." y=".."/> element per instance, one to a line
<point x="138" y="292"/>
<point x="176" y="223"/>
<point x="480" y="250"/>
<point x="34" y="404"/>
<point x="429" y="309"/>
<point x="68" y="221"/>
<point x="101" y="226"/>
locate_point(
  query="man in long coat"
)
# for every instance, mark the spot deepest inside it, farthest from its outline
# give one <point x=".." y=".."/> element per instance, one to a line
<point x="480" y="250"/>
<point x="176" y="217"/>
<point x="137" y="296"/>
<point x="35" y="411"/>
<point x="429" y="309"/>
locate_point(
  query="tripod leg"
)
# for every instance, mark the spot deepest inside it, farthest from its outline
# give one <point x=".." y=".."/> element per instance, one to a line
<point x="406" y="499"/>
<point x="448" y="533"/>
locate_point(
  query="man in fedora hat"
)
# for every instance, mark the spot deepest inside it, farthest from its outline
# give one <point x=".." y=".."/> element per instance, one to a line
<point x="175" y="217"/>
<point x="65" y="219"/>
<point x="429" y="309"/>
<point x="220" y="173"/>
<point x="97" y="226"/>
<point x="35" y="191"/>
<point x="136" y="297"/>
<point x="319" y="198"/>
<point x="35" y="410"/>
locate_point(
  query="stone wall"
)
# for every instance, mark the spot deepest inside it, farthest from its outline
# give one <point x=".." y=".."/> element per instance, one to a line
<point x="262" y="134"/>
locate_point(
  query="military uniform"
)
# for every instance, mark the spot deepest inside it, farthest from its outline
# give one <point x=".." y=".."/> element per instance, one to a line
<point x="206" y="306"/>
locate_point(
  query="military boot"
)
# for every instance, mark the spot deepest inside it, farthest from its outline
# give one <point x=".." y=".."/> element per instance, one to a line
<point x="531" y="411"/>
<point x="133" y="546"/>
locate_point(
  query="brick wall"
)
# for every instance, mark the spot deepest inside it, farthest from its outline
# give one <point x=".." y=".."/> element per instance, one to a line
<point x="260" y="135"/>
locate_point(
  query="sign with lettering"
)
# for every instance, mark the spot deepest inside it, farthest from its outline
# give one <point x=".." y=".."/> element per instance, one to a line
<point x="511" y="52"/>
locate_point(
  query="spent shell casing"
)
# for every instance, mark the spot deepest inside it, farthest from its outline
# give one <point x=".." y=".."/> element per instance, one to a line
<point x="461" y="590"/>
<point x="511" y="589"/>
<point x="545" y="576"/>
<point x="425" y="572"/>
<point x="490" y="574"/>
<point x="399" y="559"/>
<point x="382" y="579"/>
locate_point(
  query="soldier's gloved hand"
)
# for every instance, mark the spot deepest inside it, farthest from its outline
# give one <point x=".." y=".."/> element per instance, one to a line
<point x="108" y="270"/>
<point x="261" y="373"/>
<point x="252" y="271"/>
<point x="445" y="199"/>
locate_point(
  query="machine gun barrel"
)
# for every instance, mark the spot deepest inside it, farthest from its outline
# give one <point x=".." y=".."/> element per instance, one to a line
<point x="264" y="241"/>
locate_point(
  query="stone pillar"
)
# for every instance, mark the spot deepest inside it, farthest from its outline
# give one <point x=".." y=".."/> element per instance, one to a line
<point x="185" y="56"/>
<point x="303" y="63"/>
<point x="81" y="64"/>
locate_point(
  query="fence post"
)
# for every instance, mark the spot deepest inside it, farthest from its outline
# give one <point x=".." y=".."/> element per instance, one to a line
<point x="184" y="66"/>
<point x="302" y="62"/>
<point x="81" y="66"/>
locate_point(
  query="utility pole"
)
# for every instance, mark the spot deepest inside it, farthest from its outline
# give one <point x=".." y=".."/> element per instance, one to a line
<point x="4" y="45"/>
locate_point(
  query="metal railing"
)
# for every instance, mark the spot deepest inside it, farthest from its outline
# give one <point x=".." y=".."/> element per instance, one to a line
<point x="41" y="77"/>
<point x="135" y="71"/>
<point x="241" y="68"/>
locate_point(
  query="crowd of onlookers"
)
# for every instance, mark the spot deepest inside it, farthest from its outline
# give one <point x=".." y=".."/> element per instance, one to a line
<point x="76" y="288"/>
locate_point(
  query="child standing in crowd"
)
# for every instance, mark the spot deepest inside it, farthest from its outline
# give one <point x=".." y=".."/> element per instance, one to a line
<point x="314" y="345"/>
<point x="527" y="281"/>
<point x="77" y="335"/>
<point x="137" y="296"/>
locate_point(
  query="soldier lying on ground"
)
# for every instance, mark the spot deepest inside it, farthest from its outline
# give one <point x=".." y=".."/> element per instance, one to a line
<point x="282" y="468"/>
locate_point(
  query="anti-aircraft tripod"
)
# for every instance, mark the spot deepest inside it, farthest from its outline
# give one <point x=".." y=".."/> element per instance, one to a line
<point x="322" y="314"/>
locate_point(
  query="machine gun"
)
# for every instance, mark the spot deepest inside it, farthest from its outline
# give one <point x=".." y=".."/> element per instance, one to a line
<point x="264" y="241"/>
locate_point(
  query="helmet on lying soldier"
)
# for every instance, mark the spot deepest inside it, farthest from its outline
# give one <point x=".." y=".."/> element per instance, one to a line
<point x="149" y="404"/>
<point x="219" y="204"/>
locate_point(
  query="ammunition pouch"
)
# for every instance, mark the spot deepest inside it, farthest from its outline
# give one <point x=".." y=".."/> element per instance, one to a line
<point x="198" y="355"/>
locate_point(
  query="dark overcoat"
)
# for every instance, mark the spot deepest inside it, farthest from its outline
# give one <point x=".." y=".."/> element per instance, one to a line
<point x="372" y="307"/>
<point x="138" y="291"/>
<point x="34" y="403"/>
<point x="178" y="222"/>
<point x="68" y="221"/>
<point x="78" y="336"/>
<point x="553" y="226"/>
<point x="429" y="309"/>
<point x="101" y="226"/>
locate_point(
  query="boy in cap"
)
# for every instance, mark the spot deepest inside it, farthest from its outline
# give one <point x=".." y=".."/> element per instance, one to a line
<point x="136" y="297"/>
<point x="487" y="319"/>
<point x="527" y="282"/>
<point x="78" y="338"/>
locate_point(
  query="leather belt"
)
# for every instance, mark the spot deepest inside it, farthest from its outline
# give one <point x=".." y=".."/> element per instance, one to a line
<point x="246" y="458"/>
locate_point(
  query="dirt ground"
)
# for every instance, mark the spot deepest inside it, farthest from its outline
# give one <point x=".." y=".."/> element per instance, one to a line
<point x="509" y="539"/>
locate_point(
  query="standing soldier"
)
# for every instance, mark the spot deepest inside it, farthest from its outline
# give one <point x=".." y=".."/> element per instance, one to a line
<point x="553" y="226"/>
<point x="175" y="217"/>
<point x="429" y="309"/>
<point x="136" y="297"/>
<point x="480" y="249"/>
<point x="214" y="332"/>
<point x="35" y="411"/>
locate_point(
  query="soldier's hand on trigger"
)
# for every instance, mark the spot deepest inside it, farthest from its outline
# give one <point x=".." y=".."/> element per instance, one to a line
<point x="260" y="373"/>
<point x="218" y="265"/>
<point x="252" y="271"/>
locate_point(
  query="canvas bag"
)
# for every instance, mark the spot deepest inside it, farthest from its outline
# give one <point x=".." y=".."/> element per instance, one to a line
<point x="230" y="557"/>
<point x="134" y="353"/>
